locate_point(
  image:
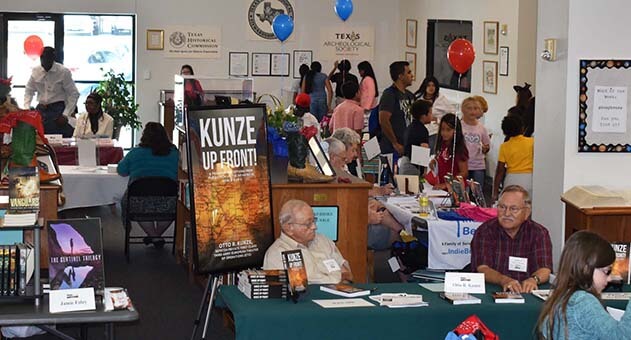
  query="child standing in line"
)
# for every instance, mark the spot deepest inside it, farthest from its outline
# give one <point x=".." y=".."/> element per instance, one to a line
<point x="476" y="138"/>
<point x="450" y="158"/>
<point x="515" y="158"/>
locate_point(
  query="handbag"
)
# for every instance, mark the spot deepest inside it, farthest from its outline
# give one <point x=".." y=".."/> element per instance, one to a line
<point x="473" y="325"/>
<point x="411" y="255"/>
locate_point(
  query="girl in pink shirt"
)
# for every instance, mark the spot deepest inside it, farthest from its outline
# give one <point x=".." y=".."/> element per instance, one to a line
<point x="476" y="138"/>
<point x="368" y="86"/>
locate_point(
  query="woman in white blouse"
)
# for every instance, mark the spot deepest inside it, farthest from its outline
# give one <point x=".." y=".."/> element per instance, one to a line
<point x="94" y="122"/>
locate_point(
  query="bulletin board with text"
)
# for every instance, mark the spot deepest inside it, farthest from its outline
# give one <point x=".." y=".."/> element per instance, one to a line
<point x="604" y="101"/>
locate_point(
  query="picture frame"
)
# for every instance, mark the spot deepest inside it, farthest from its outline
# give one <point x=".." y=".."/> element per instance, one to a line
<point x="410" y="57"/>
<point x="261" y="64"/>
<point x="301" y="57"/>
<point x="238" y="64"/>
<point x="603" y="100"/>
<point x="489" y="76"/>
<point x="411" y="30"/>
<point x="279" y="65"/>
<point x="491" y="36"/>
<point x="155" y="39"/>
<point x="324" y="166"/>
<point x="440" y="34"/>
<point x="504" y="56"/>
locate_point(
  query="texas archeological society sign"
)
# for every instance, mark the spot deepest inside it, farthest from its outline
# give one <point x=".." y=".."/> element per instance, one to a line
<point x="193" y="42"/>
<point x="347" y="42"/>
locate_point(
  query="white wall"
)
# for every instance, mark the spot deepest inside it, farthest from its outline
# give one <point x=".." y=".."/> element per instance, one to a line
<point x="231" y="16"/>
<point x="605" y="37"/>
<point x="504" y="11"/>
<point x="552" y="96"/>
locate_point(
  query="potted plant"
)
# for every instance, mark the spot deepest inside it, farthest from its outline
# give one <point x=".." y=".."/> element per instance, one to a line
<point x="119" y="101"/>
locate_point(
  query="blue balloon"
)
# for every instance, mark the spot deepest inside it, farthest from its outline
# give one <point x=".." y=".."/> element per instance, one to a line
<point x="343" y="9"/>
<point x="283" y="25"/>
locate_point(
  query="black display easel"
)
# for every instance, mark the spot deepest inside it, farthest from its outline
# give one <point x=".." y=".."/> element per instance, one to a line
<point x="209" y="294"/>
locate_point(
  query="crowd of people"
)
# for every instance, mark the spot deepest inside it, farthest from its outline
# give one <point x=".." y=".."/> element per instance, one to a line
<point x="513" y="251"/>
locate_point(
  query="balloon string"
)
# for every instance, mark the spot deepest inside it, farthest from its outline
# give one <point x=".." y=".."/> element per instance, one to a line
<point x="459" y="78"/>
<point x="453" y="153"/>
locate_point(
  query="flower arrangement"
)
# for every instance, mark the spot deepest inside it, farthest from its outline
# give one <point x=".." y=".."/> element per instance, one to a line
<point x="280" y="120"/>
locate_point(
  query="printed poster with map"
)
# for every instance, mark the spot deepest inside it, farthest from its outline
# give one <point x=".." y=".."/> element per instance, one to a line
<point x="228" y="172"/>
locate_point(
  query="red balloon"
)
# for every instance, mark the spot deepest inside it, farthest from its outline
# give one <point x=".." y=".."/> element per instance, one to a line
<point x="33" y="46"/>
<point x="460" y="55"/>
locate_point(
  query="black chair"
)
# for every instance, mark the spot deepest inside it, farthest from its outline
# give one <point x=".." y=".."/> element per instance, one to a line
<point x="149" y="199"/>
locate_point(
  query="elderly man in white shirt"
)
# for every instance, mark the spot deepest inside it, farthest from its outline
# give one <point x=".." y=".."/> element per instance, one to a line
<point x="57" y="94"/>
<point x="324" y="262"/>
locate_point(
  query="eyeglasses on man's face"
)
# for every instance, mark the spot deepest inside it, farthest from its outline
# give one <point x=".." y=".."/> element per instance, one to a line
<point x="513" y="209"/>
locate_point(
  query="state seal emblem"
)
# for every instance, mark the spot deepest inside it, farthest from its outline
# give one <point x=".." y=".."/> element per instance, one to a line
<point x="177" y="39"/>
<point x="261" y="14"/>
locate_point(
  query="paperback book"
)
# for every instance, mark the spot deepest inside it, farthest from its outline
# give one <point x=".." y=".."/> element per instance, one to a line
<point x="508" y="297"/>
<point x="543" y="294"/>
<point x="75" y="251"/>
<point x="620" y="267"/>
<point x="296" y="273"/>
<point x="23" y="197"/>
<point x="23" y="190"/>
<point x="460" y="298"/>
<point x="345" y="290"/>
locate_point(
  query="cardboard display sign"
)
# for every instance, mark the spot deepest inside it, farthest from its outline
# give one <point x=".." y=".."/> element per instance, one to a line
<point x="230" y="187"/>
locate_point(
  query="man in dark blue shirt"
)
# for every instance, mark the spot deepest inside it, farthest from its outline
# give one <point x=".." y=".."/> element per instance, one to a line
<point x="394" y="109"/>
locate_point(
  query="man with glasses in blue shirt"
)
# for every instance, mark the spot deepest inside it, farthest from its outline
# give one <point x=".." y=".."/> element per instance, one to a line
<point x="511" y="250"/>
<point x="324" y="262"/>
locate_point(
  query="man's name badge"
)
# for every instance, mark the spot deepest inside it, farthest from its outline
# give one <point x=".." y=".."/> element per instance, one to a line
<point x="331" y="265"/>
<point x="518" y="264"/>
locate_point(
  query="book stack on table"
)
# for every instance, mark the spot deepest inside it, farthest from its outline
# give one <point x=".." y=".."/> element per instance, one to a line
<point x="263" y="284"/>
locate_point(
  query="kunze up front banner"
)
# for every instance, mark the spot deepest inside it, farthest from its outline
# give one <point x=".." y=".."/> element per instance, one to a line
<point x="228" y="175"/>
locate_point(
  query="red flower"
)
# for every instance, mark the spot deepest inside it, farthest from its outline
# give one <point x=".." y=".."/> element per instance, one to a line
<point x="6" y="82"/>
<point x="308" y="131"/>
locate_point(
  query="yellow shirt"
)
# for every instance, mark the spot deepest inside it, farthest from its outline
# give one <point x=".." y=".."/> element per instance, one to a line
<point x="517" y="154"/>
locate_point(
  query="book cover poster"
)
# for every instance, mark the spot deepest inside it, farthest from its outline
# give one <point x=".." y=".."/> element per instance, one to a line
<point x="620" y="267"/>
<point x="230" y="187"/>
<point x="75" y="250"/>
<point x="23" y="189"/>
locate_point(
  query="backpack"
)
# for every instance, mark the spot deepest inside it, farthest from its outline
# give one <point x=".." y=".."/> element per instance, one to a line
<point x="374" y="129"/>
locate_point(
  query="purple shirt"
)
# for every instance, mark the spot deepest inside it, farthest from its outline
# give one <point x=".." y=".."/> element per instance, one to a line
<point x="492" y="246"/>
<point x="474" y="137"/>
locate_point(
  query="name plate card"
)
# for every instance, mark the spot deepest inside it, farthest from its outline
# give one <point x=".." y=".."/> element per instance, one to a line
<point x="55" y="139"/>
<point x="472" y="283"/>
<point x="71" y="300"/>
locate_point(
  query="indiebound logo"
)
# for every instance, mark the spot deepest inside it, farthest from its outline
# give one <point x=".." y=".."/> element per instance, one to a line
<point x="464" y="231"/>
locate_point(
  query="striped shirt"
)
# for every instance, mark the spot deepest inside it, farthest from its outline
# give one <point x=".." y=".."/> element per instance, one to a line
<point x="492" y="246"/>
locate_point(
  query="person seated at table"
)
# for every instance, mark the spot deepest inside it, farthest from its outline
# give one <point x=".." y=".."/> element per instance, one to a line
<point x="155" y="156"/>
<point x="352" y="142"/>
<point x="94" y="122"/>
<point x="193" y="91"/>
<point x="383" y="228"/>
<point x="512" y="250"/>
<point x="574" y="309"/>
<point x="324" y="262"/>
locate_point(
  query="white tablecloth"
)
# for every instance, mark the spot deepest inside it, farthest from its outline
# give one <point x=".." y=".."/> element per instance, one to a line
<point x="89" y="187"/>
<point x="449" y="241"/>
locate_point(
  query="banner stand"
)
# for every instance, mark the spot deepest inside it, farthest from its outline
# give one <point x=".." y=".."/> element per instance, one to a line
<point x="208" y="299"/>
